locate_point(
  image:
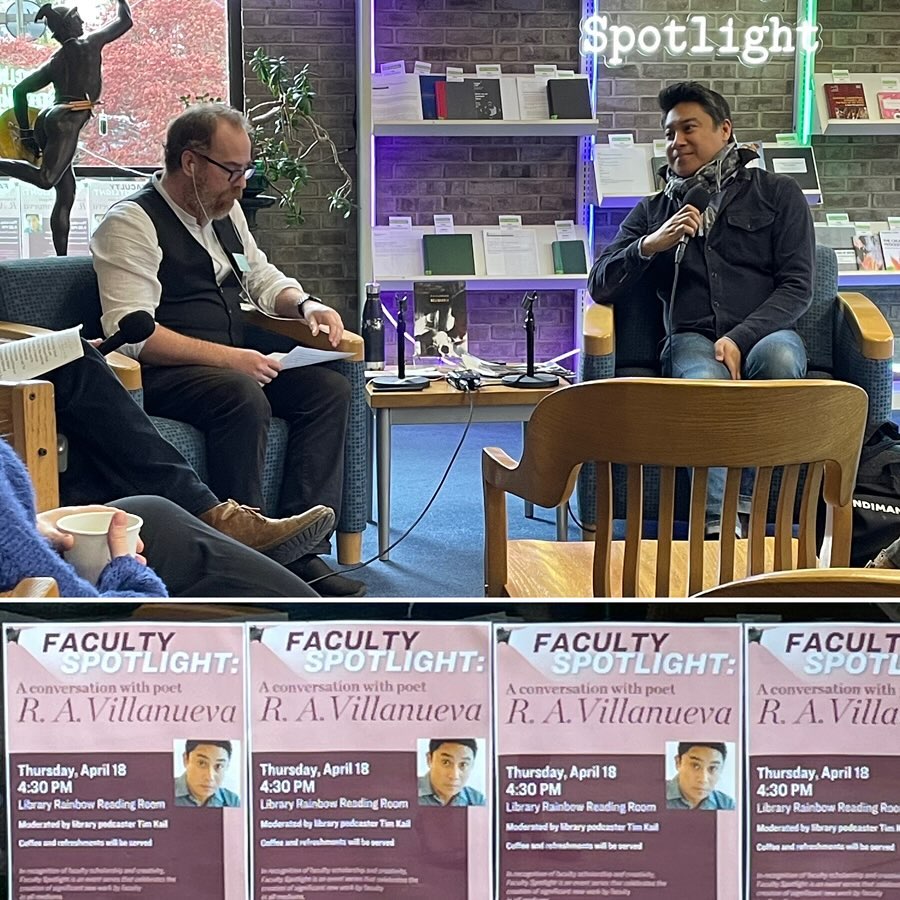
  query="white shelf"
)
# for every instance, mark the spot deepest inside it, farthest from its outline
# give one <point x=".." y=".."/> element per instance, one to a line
<point x="871" y="82"/>
<point x="490" y="282"/>
<point x="889" y="278"/>
<point x="486" y="128"/>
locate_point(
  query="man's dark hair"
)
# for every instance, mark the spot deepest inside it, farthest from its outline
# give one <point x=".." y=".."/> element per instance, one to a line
<point x="190" y="746"/>
<point x="694" y="92"/>
<point x="466" y="742"/>
<point x="195" y="127"/>
<point x="684" y="746"/>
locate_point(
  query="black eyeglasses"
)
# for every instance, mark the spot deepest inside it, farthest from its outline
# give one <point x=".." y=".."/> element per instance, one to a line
<point x="234" y="175"/>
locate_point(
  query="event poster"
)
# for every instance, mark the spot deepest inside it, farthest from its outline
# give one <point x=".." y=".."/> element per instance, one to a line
<point x="371" y="760"/>
<point x="125" y="767"/>
<point x="824" y="771"/>
<point x="37" y="208"/>
<point x="619" y="761"/>
<point x="104" y="192"/>
<point x="10" y="224"/>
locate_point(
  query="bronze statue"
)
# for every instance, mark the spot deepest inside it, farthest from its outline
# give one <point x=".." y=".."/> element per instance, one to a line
<point x="74" y="72"/>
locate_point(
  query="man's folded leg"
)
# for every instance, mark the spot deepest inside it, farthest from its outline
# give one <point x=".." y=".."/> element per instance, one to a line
<point x="195" y="560"/>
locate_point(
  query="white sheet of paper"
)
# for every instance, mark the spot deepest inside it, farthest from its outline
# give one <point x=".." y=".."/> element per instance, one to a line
<point x="396" y="98"/>
<point x="532" y="91"/>
<point x="35" y="356"/>
<point x="307" y="356"/>
<point x="623" y="170"/>
<point x="510" y="252"/>
<point x="397" y="251"/>
<point x="787" y="165"/>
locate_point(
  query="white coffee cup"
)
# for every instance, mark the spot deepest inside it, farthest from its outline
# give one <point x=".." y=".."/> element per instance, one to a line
<point x="90" y="553"/>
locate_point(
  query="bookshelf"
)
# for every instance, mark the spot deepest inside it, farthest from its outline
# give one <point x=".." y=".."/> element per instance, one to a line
<point x="872" y="83"/>
<point x="370" y="131"/>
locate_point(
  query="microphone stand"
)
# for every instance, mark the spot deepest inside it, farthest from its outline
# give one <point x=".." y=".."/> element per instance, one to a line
<point x="530" y="379"/>
<point x="401" y="382"/>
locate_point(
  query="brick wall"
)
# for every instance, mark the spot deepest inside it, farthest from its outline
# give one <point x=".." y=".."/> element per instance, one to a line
<point x="476" y="179"/>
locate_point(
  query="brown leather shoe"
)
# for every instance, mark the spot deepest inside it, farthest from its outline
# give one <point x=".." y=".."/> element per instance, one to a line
<point x="283" y="540"/>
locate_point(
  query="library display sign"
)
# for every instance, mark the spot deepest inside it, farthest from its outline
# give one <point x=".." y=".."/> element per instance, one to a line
<point x="124" y="769"/>
<point x="371" y="760"/>
<point x="619" y="753"/>
<point x="824" y="776"/>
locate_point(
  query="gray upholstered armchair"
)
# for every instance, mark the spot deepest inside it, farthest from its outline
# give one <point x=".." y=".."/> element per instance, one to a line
<point x="60" y="292"/>
<point x="847" y="338"/>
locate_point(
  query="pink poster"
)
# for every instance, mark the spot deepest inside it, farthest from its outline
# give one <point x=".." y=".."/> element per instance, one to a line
<point x="371" y="761"/>
<point x="824" y="775"/>
<point x="619" y="760"/>
<point x="126" y="767"/>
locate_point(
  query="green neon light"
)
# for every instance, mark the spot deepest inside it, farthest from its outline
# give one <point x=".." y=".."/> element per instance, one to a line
<point x="805" y="89"/>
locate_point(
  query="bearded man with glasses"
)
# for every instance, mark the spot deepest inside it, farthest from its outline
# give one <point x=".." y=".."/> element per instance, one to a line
<point x="180" y="249"/>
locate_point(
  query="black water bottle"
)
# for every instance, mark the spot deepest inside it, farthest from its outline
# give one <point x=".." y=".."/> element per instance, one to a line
<point x="373" y="327"/>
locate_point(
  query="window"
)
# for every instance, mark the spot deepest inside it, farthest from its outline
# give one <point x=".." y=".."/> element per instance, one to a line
<point x="174" y="49"/>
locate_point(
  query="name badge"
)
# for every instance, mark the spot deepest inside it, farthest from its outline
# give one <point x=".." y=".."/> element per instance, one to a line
<point x="242" y="262"/>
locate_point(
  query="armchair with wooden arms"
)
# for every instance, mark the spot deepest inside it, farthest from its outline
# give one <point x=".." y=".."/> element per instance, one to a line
<point x="847" y="338"/>
<point x="670" y="424"/>
<point x="60" y="292"/>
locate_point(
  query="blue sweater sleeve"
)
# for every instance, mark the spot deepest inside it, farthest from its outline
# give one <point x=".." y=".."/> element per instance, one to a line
<point x="24" y="553"/>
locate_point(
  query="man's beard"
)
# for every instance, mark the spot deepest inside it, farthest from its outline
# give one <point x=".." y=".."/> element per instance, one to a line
<point x="206" y="205"/>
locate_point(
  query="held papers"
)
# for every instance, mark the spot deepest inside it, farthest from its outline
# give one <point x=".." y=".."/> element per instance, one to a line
<point x="34" y="356"/>
<point x="307" y="356"/>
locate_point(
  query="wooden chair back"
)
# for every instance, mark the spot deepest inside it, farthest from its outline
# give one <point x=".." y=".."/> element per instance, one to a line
<point x="33" y="589"/>
<point x="671" y="423"/>
<point x="813" y="583"/>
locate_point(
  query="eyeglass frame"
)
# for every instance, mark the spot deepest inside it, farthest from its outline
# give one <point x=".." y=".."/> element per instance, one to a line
<point x="234" y="175"/>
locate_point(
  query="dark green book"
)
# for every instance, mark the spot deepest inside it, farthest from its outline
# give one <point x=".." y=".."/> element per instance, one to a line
<point x="448" y="254"/>
<point x="569" y="258"/>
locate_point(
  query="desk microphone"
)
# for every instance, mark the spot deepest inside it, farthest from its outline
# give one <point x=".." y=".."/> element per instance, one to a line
<point x="135" y="327"/>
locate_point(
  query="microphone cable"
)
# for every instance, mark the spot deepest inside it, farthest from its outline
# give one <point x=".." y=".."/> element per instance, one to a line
<point x="421" y="515"/>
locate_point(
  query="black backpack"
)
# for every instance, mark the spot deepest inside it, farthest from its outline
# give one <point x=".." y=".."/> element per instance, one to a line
<point x="876" y="497"/>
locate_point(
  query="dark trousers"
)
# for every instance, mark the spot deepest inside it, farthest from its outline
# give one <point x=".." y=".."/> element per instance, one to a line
<point x="194" y="560"/>
<point x="234" y="413"/>
<point x="114" y="449"/>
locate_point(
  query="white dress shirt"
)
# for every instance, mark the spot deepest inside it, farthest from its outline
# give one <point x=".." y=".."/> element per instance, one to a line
<point x="127" y="258"/>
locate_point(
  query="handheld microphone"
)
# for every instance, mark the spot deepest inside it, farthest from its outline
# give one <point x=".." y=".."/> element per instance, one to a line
<point x="698" y="197"/>
<point x="135" y="327"/>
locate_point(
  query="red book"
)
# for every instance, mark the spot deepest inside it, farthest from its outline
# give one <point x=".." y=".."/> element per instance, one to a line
<point x="846" y="100"/>
<point x="440" y="99"/>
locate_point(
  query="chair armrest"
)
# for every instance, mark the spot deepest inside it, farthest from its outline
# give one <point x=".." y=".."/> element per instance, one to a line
<point x="126" y="369"/>
<point x="298" y="330"/>
<point x="33" y="587"/>
<point x="868" y="325"/>
<point x="599" y="336"/>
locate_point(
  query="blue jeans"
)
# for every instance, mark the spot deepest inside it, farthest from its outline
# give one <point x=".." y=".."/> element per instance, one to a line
<point x="777" y="355"/>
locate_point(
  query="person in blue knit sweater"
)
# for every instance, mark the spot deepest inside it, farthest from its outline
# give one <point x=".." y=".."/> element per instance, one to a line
<point x="193" y="559"/>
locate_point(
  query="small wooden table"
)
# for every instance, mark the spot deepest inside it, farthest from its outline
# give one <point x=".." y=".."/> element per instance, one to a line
<point x="440" y="404"/>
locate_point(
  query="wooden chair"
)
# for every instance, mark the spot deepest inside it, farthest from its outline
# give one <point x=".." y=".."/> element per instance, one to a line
<point x="813" y="583"/>
<point x="33" y="589"/>
<point x="676" y="423"/>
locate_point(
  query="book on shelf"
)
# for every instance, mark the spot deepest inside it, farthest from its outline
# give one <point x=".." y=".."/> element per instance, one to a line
<point x="569" y="258"/>
<point x="440" y="99"/>
<point x="474" y="98"/>
<point x="846" y="100"/>
<point x="510" y="252"/>
<point x="569" y="98"/>
<point x="840" y="239"/>
<point x="448" y="254"/>
<point x="428" y="87"/>
<point x="440" y="323"/>
<point x="890" y="246"/>
<point x="889" y="104"/>
<point x="488" y="100"/>
<point x="869" y="257"/>
<point x="798" y="163"/>
<point x="658" y="167"/>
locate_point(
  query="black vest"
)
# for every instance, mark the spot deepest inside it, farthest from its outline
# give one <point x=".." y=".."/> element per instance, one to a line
<point x="191" y="302"/>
